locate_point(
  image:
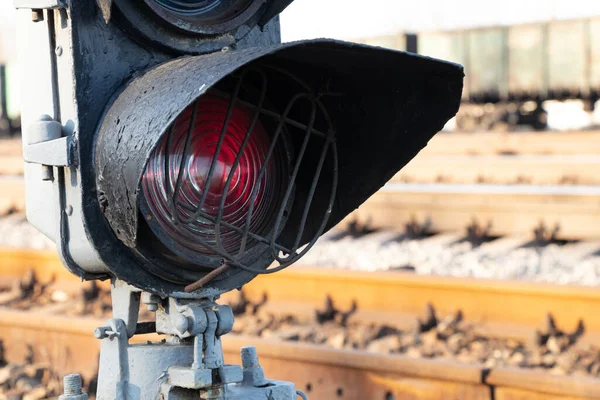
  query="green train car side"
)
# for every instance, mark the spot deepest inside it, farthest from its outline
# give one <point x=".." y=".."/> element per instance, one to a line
<point x="554" y="60"/>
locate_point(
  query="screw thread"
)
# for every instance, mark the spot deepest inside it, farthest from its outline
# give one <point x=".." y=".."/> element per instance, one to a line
<point x="72" y="384"/>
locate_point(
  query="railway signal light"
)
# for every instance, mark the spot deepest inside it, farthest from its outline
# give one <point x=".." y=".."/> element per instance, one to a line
<point x="182" y="150"/>
<point x="197" y="148"/>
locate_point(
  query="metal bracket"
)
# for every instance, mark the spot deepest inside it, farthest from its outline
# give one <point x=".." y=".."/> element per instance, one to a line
<point x="40" y="4"/>
<point x="47" y="146"/>
<point x="114" y="358"/>
<point x="126" y="304"/>
<point x="56" y="152"/>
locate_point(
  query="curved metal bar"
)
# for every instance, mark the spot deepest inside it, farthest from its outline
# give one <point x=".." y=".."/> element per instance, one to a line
<point x="302" y="394"/>
<point x="263" y="95"/>
<point x="263" y="169"/>
<point x="186" y="147"/>
<point x="300" y="157"/>
<point x="213" y="162"/>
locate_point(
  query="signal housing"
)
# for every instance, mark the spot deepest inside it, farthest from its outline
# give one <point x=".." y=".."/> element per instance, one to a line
<point x="378" y="129"/>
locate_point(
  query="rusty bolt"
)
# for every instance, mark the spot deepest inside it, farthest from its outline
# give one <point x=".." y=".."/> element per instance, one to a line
<point x="72" y="388"/>
<point x="72" y="384"/>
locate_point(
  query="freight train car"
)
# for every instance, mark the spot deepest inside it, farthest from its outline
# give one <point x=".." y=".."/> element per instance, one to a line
<point x="512" y="70"/>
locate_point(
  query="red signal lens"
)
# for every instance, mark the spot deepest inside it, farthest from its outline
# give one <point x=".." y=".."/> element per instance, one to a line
<point x="173" y="196"/>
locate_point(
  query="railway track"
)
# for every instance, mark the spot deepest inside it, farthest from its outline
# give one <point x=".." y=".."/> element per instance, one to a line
<point x="563" y="212"/>
<point x="505" y="143"/>
<point x="566" y="211"/>
<point x="505" y="183"/>
<point x="327" y="373"/>
<point x="558" y="169"/>
<point x="491" y="303"/>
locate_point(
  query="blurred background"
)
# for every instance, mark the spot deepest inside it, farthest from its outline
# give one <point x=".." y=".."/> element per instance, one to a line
<point x="508" y="192"/>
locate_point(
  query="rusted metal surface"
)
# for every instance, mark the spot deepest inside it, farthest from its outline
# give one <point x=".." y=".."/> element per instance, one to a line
<point x="432" y="335"/>
<point x="535" y="382"/>
<point x="326" y="372"/>
<point x="359" y="375"/>
<point x="323" y="373"/>
<point x="490" y="301"/>
<point x="506" y="393"/>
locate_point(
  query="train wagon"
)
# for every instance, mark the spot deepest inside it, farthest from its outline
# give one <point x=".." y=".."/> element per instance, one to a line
<point x="512" y="70"/>
<point x="547" y="61"/>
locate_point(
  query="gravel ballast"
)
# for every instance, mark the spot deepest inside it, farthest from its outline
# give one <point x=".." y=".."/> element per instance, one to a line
<point x="549" y="263"/>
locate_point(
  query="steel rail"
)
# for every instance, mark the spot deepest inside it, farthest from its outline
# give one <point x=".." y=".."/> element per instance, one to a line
<point x="546" y="169"/>
<point x="567" y="212"/>
<point x="570" y="212"/>
<point x="322" y="372"/>
<point x="496" y="143"/>
<point x="394" y="297"/>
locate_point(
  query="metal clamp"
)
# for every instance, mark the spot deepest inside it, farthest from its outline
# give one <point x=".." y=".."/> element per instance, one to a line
<point x="47" y="146"/>
<point x="55" y="152"/>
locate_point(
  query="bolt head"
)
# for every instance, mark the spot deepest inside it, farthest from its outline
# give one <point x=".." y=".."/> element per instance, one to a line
<point x="181" y="323"/>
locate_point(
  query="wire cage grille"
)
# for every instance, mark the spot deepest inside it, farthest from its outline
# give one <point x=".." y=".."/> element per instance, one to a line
<point x="277" y="163"/>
